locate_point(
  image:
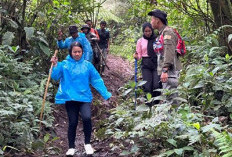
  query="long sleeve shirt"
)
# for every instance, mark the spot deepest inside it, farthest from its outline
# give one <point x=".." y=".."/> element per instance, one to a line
<point x="141" y="48"/>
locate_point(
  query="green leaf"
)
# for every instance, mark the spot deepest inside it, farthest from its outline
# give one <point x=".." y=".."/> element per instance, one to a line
<point x="179" y="151"/>
<point x="149" y="96"/>
<point x="29" y="32"/>
<point x="127" y="92"/>
<point x="125" y="153"/>
<point x="210" y="127"/>
<point x="197" y="125"/>
<point x="46" y="138"/>
<point x="229" y="38"/>
<point x="7" y="38"/>
<point x="227" y="57"/>
<point x="45" y="49"/>
<point x="134" y="149"/>
<point x="141" y="83"/>
<point x="172" y="141"/>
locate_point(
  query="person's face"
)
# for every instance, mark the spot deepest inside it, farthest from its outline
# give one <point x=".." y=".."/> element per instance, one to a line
<point x="74" y="35"/>
<point x="89" y="23"/>
<point x="154" y="22"/>
<point x="147" y="32"/>
<point x="85" y="30"/>
<point x="76" y="53"/>
<point x="103" y="26"/>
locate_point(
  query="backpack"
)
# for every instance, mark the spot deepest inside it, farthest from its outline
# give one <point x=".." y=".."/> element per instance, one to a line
<point x="180" y="47"/>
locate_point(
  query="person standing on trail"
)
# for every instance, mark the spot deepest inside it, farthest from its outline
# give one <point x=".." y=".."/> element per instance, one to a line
<point x="90" y="24"/>
<point x="145" y="51"/>
<point x="78" y="37"/>
<point x="76" y="75"/>
<point x="169" y="64"/>
<point x="104" y="35"/>
<point x="92" y="38"/>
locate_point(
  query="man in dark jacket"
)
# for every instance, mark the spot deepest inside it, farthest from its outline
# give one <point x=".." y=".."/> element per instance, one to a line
<point x="169" y="64"/>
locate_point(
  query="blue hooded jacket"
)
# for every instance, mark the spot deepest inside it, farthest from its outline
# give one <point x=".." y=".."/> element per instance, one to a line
<point x="75" y="79"/>
<point x="87" y="49"/>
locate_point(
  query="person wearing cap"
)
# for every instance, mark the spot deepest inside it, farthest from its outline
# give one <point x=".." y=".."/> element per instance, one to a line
<point x="93" y="41"/>
<point x="169" y="64"/>
<point x="145" y="51"/>
<point x="90" y="24"/>
<point x="78" y="37"/>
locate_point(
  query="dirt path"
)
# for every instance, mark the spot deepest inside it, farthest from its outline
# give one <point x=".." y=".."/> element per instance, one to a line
<point x="120" y="72"/>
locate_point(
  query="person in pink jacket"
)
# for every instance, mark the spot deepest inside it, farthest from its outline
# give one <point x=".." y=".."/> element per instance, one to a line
<point x="145" y="51"/>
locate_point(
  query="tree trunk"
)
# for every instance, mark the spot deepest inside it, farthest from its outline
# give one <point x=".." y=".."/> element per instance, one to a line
<point x="222" y="12"/>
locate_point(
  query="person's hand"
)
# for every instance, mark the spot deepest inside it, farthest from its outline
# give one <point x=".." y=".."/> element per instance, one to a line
<point x="164" y="77"/>
<point x="60" y="35"/>
<point x="135" y="55"/>
<point x="54" y="60"/>
<point x="108" y="50"/>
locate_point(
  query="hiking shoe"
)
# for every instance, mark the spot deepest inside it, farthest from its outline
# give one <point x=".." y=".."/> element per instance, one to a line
<point x="89" y="149"/>
<point x="71" y="152"/>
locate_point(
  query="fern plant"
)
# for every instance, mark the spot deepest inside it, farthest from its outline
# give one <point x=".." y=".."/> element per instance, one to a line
<point x="223" y="141"/>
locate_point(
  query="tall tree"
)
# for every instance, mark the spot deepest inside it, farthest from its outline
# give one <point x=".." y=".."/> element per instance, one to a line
<point x="222" y="12"/>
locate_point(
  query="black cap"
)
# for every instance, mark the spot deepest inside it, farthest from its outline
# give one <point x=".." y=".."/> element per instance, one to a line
<point x="159" y="14"/>
<point x="85" y="26"/>
<point x="73" y="29"/>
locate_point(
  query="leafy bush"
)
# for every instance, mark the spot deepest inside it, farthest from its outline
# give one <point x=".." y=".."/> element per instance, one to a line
<point x="20" y="95"/>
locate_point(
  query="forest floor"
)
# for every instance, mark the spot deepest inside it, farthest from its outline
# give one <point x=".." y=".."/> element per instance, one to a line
<point x="119" y="72"/>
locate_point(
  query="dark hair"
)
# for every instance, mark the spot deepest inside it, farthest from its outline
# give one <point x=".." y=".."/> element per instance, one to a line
<point x="88" y="21"/>
<point x="75" y="43"/>
<point x="103" y="22"/>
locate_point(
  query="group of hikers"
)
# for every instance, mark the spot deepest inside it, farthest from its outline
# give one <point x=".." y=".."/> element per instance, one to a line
<point x="95" y="42"/>
<point x="160" y="69"/>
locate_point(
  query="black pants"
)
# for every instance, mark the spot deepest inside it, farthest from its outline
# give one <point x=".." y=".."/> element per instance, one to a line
<point x="149" y="73"/>
<point x="73" y="108"/>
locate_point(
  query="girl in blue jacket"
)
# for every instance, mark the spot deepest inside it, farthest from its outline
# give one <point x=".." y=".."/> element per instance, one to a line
<point x="76" y="75"/>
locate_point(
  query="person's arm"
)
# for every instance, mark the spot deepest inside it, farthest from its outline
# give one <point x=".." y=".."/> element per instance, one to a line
<point x="169" y="49"/>
<point x="95" y="32"/>
<point x="62" y="44"/>
<point x="138" y="53"/>
<point x="97" y="82"/>
<point x="57" y="71"/>
<point x="169" y="54"/>
<point x="108" y="42"/>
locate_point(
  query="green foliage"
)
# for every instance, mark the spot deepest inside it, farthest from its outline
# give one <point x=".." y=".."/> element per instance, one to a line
<point x="185" y="130"/>
<point x="21" y="101"/>
<point x="46" y="145"/>
<point x="224" y="142"/>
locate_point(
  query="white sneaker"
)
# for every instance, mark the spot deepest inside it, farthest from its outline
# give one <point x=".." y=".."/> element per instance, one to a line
<point x="71" y="152"/>
<point x="89" y="149"/>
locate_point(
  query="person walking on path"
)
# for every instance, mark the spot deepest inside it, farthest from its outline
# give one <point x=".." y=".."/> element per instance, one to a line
<point x="104" y="35"/>
<point x="75" y="75"/>
<point x="90" y="24"/>
<point x="169" y="64"/>
<point x="78" y="37"/>
<point x="145" y="51"/>
<point x="92" y="38"/>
